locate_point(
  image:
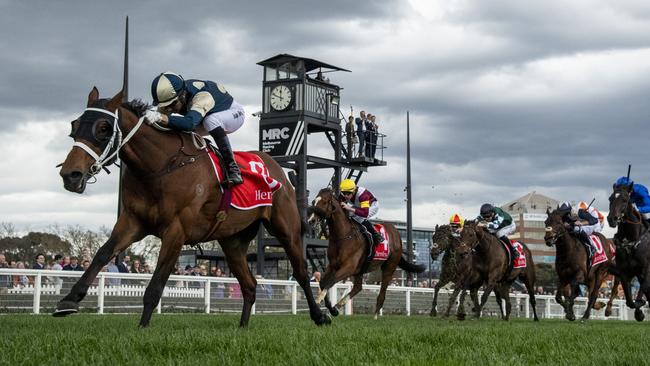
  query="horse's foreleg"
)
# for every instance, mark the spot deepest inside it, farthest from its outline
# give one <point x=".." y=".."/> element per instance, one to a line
<point x="434" y="303"/>
<point x="530" y="288"/>
<point x="172" y="242"/>
<point x="593" y="288"/>
<point x="356" y="288"/>
<point x="473" y="294"/>
<point x="505" y="295"/>
<point x="498" y="296"/>
<point x="452" y="299"/>
<point x="125" y="232"/>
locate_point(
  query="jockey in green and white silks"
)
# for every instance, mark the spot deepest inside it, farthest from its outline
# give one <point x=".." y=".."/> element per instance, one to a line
<point x="184" y="104"/>
<point x="499" y="223"/>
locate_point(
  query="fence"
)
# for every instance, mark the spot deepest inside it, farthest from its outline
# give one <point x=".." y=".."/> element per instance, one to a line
<point x="37" y="291"/>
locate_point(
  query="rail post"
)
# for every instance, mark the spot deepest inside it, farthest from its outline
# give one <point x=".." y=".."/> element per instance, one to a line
<point x="206" y="294"/>
<point x="408" y="302"/>
<point x="100" y="293"/>
<point x="37" y="293"/>
<point x="294" y="299"/>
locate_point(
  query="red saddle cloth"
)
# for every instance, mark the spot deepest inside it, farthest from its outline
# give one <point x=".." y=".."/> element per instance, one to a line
<point x="258" y="187"/>
<point x="600" y="256"/>
<point x="382" y="250"/>
<point x="520" y="262"/>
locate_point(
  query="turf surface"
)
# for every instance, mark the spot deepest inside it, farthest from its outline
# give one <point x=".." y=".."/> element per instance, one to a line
<point x="86" y="339"/>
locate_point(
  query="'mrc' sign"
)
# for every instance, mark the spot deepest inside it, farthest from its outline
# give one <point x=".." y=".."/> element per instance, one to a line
<point x="282" y="139"/>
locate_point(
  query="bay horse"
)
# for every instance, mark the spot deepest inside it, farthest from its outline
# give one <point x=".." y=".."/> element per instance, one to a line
<point x="169" y="190"/>
<point x="488" y="264"/>
<point x="443" y="241"/>
<point x="632" y="241"/>
<point x="571" y="265"/>
<point x="347" y="251"/>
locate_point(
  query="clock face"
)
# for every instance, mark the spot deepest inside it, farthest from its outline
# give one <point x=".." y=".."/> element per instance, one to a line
<point x="281" y="97"/>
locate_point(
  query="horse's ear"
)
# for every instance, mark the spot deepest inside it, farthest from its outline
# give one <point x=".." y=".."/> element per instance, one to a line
<point x="548" y="210"/>
<point x="115" y="102"/>
<point x="93" y="96"/>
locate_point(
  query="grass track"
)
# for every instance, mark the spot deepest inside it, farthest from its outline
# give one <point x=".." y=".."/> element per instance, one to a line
<point x="294" y="340"/>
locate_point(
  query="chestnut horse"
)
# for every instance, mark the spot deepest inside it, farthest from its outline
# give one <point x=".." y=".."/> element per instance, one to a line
<point x="632" y="242"/>
<point x="347" y="251"/>
<point x="485" y="255"/>
<point x="169" y="190"/>
<point x="571" y="265"/>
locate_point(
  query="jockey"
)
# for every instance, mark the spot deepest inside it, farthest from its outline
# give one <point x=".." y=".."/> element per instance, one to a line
<point x="595" y="213"/>
<point x="456" y="223"/>
<point x="581" y="222"/>
<point x="638" y="195"/>
<point x="361" y="206"/>
<point x="193" y="102"/>
<point x="498" y="222"/>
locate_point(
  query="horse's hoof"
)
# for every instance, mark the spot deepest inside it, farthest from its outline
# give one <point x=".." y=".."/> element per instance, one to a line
<point x="334" y="312"/>
<point x="460" y="316"/>
<point x="324" y="320"/>
<point x="584" y="320"/>
<point x="433" y="312"/>
<point x="638" y="315"/>
<point x="608" y="312"/>
<point x="639" y="303"/>
<point x="570" y="317"/>
<point x="64" y="308"/>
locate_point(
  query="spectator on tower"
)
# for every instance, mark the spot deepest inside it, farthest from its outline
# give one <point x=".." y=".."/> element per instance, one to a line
<point x="360" y="122"/>
<point x="350" y="136"/>
<point x="373" y="136"/>
<point x="370" y="135"/>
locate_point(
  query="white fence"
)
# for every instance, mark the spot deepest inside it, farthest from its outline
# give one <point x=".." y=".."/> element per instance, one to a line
<point x="38" y="291"/>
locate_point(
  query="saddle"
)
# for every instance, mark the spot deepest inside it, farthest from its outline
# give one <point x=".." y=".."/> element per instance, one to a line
<point x="370" y="244"/>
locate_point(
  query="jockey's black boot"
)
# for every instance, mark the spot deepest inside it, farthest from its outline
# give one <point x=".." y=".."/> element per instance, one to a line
<point x="376" y="237"/>
<point x="233" y="174"/>
<point x="584" y="238"/>
<point x="513" y="250"/>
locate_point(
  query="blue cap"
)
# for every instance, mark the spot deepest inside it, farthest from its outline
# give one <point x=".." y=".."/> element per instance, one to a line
<point x="165" y="88"/>
<point x="623" y="181"/>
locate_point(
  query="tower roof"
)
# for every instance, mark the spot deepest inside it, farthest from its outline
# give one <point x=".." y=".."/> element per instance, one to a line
<point x="310" y="63"/>
<point x="532" y="202"/>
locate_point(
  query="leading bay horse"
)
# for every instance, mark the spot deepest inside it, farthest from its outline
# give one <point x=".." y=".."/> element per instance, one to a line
<point x="169" y="190"/>
<point x="487" y="259"/>
<point x="632" y="241"/>
<point x="347" y="251"/>
<point x="571" y="265"/>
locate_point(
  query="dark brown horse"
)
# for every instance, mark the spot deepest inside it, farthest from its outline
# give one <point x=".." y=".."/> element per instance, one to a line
<point x="347" y="251"/>
<point x="571" y="265"/>
<point x="632" y="242"/>
<point x="169" y="190"/>
<point x="489" y="263"/>
<point x="443" y="241"/>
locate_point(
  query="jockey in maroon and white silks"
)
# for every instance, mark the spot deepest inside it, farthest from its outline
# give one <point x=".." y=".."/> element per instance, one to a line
<point x="361" y="205"/>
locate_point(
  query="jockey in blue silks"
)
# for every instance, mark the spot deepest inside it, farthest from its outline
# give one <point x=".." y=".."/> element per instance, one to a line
<point x="639" y="196"/>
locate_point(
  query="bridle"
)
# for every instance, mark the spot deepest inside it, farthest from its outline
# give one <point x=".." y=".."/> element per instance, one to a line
<point x="555" y="235"/>
<point x="327" y="214"/>
<point x="628" y="207"/>
<point x="114" y="144"/>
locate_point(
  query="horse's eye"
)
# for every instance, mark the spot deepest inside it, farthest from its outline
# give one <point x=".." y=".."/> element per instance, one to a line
<point x="102" y="130"/>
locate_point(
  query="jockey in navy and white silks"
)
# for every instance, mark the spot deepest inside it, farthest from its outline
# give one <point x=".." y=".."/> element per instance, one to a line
<point x="581" y="222"/>
<point x="639" y="196"/>
<point x="361" y="205"/>
<point x="193" y="102"/>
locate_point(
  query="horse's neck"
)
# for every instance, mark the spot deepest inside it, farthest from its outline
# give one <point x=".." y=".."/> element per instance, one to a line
<point x="570" y="246"/>
<point x="148" y="150"/>
<point x="339" y="222"/>
<point x="631" y="230"/>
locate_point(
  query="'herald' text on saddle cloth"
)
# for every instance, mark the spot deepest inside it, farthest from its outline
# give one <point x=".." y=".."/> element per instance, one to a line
<point x="258" y="187"/>
<point x="382" y="250"/>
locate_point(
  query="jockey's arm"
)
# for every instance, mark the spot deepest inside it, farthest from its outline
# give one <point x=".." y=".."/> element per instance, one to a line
<point x="363" y="210"/>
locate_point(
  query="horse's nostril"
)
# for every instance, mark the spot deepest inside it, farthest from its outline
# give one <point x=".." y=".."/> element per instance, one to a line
<point x="76" y="175"/>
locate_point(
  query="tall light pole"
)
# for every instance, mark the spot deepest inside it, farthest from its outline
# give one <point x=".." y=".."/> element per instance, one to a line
<point x="125" y="98"/>
<point x="409" y="208"/>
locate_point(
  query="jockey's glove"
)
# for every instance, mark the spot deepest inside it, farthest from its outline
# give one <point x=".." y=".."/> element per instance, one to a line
<point x="153" y="116"/>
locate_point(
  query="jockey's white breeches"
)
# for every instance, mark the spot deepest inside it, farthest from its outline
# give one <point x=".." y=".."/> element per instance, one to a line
<point x="230" y="120"/>
<point x="506" y="230"/>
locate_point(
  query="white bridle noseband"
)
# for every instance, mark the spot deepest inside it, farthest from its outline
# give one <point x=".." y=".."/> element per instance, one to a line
<point x="116" y="140"/>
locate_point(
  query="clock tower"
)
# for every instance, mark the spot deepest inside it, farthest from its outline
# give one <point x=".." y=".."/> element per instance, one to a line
<point x="299" y="101"/>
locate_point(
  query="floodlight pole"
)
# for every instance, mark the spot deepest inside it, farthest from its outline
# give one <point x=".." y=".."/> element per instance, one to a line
<point x="409" y="207"/>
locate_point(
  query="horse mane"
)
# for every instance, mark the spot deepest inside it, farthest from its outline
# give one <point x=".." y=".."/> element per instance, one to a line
<point x="137" y="107"/>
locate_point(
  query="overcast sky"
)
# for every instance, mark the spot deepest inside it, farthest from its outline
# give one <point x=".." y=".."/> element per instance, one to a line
<point x="505" y="97"/>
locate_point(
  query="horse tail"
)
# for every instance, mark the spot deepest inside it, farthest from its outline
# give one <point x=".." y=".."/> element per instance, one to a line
<point x="410" y="267"/>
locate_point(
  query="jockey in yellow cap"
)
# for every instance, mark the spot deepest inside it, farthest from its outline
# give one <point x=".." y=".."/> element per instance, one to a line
<point x="361" y="205"/>
<point x="456" y="222"/>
